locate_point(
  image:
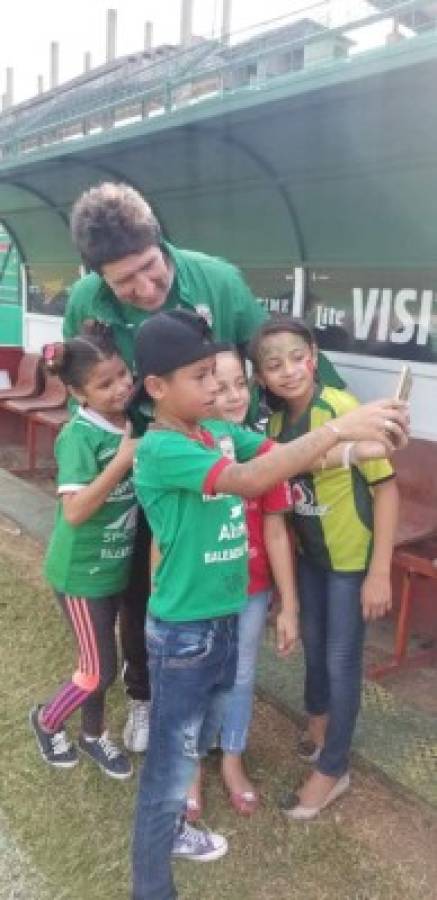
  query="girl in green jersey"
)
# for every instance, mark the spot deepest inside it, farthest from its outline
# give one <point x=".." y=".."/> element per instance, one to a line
<point x="89" y="554"/>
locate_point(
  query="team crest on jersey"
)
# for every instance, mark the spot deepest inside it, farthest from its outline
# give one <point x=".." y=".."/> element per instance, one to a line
<point x="226" y="446"/>
<point x="304" y="501"/>
<point x="202" y="309"/>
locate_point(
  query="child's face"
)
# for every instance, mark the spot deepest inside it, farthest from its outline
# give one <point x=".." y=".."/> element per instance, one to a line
<point x="107" y="387"/>
<point x="287" y="366"/>
<point x="232" y="401"/>
<point x="188" y="394"/>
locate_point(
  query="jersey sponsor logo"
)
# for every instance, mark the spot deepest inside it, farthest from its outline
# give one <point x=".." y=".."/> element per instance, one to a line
<point x="118" y="532"/>
<point x="121" y="553"/>
<point x="304" y="501"/>
<point x="219" y="556"/>
<point x="231" y="532"/>
<point x="122" y="491"/>
<point x="126" y="521"/>
<point x="208" y="498"/>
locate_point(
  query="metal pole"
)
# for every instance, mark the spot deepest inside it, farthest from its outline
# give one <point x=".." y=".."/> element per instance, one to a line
<point x="111" y="34"/>
<point x="148" y="35"/>
<point x="54" y="64"/>
<point x="299" y="292"/>
<point x="186" y="22"/>
<point x="9" y="93"/>
<point x="226" y="21"/>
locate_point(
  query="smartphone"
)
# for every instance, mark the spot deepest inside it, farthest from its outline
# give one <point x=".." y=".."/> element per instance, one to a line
<point x="405" y="384"/>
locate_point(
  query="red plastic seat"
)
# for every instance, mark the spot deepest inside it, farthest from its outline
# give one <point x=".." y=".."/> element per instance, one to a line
<point x="416" y="560"/>
<point x="53" y="396"/>
<point x="29" y="381"/>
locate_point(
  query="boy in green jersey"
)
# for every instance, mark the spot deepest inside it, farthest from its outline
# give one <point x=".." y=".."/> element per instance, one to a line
<point x="190" y="473"/>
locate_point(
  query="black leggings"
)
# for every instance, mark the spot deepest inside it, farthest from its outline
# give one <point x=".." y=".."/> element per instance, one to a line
<point x="132" y="613"/>
<point x="93" y="625"/>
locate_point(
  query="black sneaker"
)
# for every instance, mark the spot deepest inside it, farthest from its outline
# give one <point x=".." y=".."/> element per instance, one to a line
<point x="55" y="748"/>
<point x="107" y="756"/>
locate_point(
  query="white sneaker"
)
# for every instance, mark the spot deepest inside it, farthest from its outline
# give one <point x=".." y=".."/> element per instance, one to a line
<point x="198" y="845"/>
<point x="136" y="730"/>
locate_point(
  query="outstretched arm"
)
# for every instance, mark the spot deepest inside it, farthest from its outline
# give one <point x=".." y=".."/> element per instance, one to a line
<point x="354" y="452"/>
<point x="383" y="420"/>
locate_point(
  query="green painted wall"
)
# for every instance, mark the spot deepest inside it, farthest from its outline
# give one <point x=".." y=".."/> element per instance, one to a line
<point x="11" y="325"/>
<point x="11" y="320"/>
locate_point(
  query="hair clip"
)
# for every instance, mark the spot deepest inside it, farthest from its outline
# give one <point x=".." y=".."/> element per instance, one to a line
<point x="49" y="353"/>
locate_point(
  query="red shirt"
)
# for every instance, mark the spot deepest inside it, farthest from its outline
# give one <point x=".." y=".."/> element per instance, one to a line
<point x="277" y="500"/>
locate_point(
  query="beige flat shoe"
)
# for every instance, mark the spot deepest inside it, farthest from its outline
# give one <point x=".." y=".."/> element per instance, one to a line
<point x="298" y="812"/>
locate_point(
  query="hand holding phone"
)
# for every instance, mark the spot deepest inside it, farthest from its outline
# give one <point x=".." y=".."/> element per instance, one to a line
<point x="405" y="383"/>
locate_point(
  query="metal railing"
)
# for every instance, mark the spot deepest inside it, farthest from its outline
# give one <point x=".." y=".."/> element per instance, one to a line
<point x="207" y="73"/>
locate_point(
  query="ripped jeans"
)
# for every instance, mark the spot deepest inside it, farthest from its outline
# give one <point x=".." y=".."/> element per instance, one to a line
<point x="192" y="666"/>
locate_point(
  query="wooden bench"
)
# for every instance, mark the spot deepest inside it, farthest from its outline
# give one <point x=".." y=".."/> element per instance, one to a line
<point x="415" y="555"/>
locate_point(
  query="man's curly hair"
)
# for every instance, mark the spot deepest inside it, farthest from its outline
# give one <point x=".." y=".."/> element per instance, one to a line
<point x="111" y="221"/>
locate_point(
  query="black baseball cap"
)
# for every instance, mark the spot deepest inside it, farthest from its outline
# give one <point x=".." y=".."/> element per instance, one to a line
<point x="168" y="341"/>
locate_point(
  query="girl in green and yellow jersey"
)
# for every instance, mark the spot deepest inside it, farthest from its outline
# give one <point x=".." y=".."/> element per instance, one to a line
<point x="344" y="522"/>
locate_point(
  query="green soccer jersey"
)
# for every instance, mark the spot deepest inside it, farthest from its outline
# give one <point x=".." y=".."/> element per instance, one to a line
<point x="204" y="284"/>
<point x="92" y="559"/>
<point x="333" y="509"/>
<point x="201" y="535"/>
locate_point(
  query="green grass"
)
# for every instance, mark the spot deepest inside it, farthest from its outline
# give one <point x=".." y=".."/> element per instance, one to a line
<point x="74" y="827"/>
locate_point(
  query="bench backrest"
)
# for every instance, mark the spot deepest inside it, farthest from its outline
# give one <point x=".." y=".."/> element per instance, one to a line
<point x="416" y="469"/>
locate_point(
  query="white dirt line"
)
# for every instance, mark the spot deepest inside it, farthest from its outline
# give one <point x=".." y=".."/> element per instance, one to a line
<point x="19" y="879"/>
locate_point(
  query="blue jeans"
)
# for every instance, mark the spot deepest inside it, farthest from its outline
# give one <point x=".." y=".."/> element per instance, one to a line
<point x="332" y="629"/>
<point x="192" y="666"/>
<point x="239" y="701"/>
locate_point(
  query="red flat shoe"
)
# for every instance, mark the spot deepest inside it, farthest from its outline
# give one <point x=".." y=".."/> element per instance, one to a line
<point x="246" y="803"/>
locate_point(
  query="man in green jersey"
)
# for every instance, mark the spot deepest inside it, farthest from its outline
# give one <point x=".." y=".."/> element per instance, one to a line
<point x="134" y="273"/>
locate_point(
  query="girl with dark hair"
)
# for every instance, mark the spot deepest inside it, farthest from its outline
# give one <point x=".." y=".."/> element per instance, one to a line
<point x="89" y="554"/>
<point x="344" y="519"/>
<point x="270" y="565"/>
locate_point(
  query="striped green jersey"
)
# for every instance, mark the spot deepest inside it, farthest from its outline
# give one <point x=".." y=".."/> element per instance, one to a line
<point x="333" y="511"/>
